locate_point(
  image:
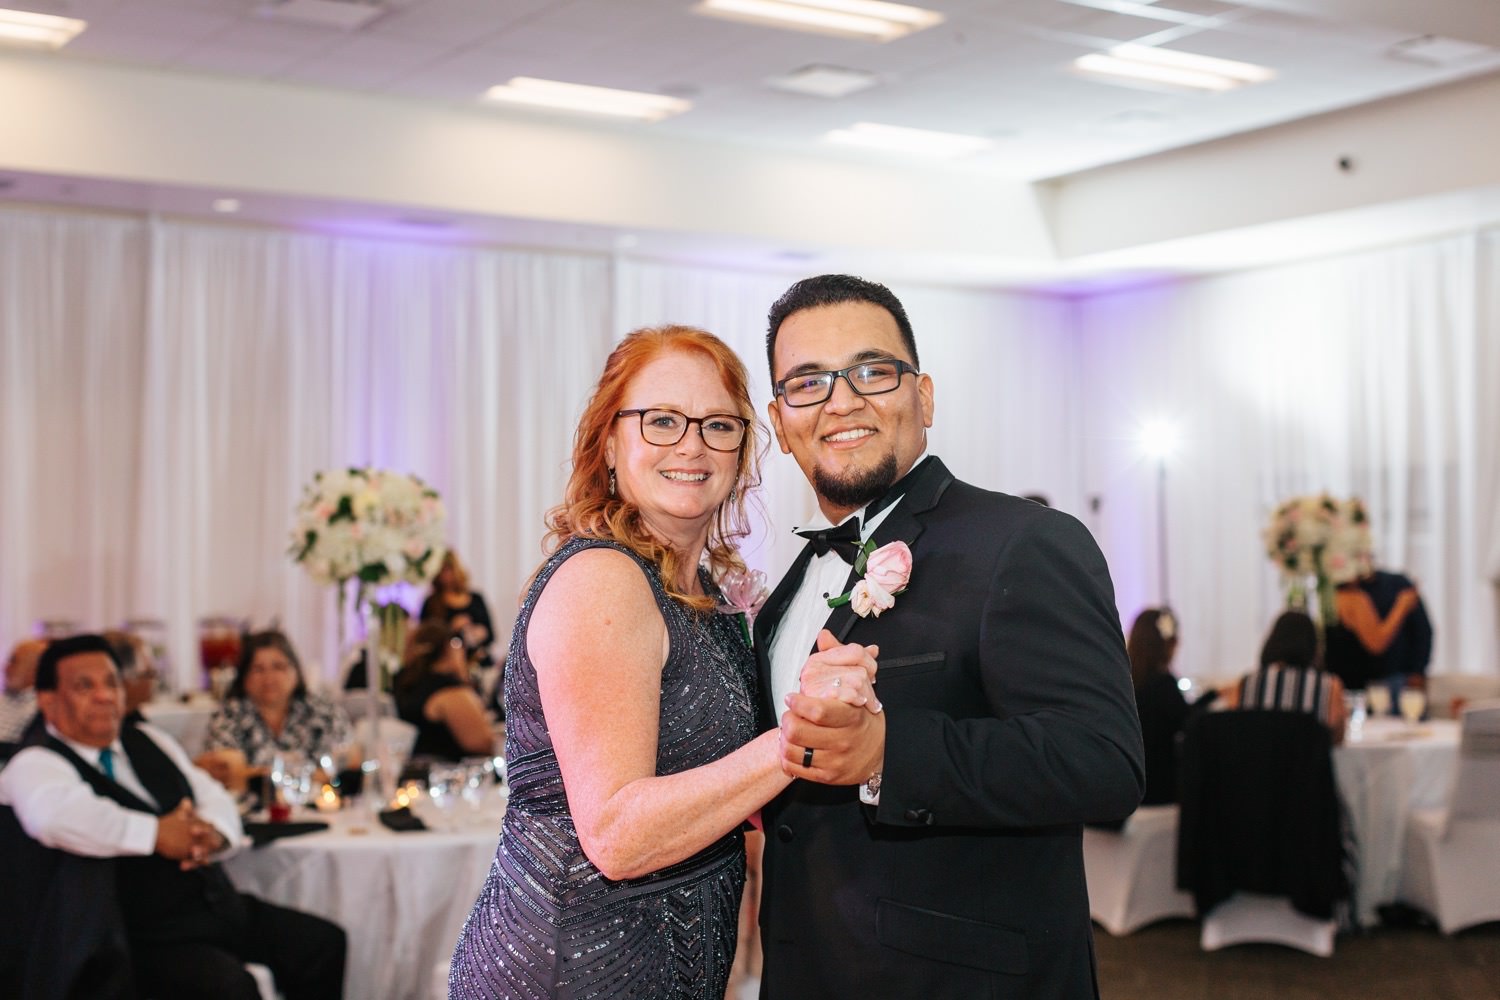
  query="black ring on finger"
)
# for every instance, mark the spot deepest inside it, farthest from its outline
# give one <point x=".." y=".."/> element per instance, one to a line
<point x="807" y="756"/>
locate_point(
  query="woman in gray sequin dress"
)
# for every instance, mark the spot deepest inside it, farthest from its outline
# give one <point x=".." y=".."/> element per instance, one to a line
<point x="631" y="741"/>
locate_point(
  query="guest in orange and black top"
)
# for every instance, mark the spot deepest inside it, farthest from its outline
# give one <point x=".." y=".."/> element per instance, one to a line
<point x="1383" y="635"/>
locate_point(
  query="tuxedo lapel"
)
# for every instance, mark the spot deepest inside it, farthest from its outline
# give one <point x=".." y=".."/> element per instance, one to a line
<point x="765" y="627"/>
<point x="921" y="490"/>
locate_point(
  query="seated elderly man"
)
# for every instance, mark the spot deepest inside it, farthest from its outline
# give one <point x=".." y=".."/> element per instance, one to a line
<point x="95" y="789"/>
<point x="18" y="702"/>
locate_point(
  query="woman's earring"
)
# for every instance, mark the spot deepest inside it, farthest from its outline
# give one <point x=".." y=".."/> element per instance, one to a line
<point x="734" y="494"/>
<point x="611" y="482"/>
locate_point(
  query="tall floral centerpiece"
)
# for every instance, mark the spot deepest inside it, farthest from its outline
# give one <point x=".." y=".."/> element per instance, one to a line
<point x="1318" y="542"/>
<point x="376" y="528"/>
<point x="370" y="526"/>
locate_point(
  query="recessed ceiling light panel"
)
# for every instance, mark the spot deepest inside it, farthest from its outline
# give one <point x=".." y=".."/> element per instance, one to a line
<point x="1433" y="50"/>
<point x="38" y="31"/>
<point x="554" y="95"/>
<point x="1148" y="65"/>
<point x="871" y="20"/>
<point x="824" y="81"/>
<point x="345" y="15"/>
<point x="911" y="141"/>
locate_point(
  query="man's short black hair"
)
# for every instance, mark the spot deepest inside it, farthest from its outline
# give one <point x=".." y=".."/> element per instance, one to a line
<point x="60" y="649"/>
<point x="832" y="290"/>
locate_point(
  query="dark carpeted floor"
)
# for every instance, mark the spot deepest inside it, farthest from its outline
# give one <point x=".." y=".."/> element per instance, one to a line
<point x="1164" y="962"/>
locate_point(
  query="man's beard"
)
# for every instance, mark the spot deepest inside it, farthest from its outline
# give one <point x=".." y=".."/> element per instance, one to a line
<point x="858" y="488"/>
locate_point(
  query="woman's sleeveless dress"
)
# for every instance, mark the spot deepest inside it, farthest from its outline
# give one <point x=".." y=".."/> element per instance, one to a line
<point x="547" y="923"/>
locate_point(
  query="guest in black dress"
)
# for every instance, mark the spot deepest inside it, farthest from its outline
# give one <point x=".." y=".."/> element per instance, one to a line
<point x="1158" y="700"/>
<point x="433" y="693"/>
<point x="453" y="601"/>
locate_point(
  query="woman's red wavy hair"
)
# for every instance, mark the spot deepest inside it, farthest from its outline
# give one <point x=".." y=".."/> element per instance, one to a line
<point x="589" y="511"/>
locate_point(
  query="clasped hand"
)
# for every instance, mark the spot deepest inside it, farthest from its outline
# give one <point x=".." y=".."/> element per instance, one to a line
<point x="836" y="714"/>
<point x="187" y="838"/>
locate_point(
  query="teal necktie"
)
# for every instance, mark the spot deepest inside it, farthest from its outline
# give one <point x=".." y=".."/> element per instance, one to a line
<point x="107" y="763"/>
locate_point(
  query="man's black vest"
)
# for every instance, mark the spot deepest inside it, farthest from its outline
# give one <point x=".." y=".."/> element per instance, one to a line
<point x="162" y="903"/>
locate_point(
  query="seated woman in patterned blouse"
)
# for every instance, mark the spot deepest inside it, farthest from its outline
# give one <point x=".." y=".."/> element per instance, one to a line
<point x="269" y="710"/>
<point x="1291" y="677"/>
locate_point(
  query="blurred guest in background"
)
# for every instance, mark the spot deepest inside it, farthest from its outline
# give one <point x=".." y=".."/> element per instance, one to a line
<point x="18" y="702"/>
<point x="137" y="672"/>
<point x="1291" y="677"/>
<point x="269" y="709"/>
<point x="433" y="693"/>
<point x="1383" y="634"/>
<point x="99" y="790"/>
<point x="1158" y="700"/>
<point x="452" y="601"/>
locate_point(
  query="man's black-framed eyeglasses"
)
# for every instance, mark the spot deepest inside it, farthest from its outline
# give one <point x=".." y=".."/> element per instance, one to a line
<point x="720" y="431"/>
<point x="868" y="378"/>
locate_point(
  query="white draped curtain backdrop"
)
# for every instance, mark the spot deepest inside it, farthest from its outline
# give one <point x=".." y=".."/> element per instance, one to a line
<point x="166" y="389"/>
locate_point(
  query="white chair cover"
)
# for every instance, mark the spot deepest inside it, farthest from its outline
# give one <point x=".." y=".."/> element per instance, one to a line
<point x="1132" y="874"/>
<point x="1247" y="918"/>
<point x="1452" y="870"/>
<point x="1443" y="688"/>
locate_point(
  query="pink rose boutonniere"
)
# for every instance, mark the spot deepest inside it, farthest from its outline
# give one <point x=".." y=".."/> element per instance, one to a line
<point x="887" y="570"/>
<point x="744" y="591"/>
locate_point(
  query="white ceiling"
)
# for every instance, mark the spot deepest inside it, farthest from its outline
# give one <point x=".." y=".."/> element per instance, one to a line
<point x="994" y="68"/>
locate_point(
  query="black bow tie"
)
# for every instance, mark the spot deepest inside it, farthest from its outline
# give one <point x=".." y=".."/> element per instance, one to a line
<point x="843" y="539"/>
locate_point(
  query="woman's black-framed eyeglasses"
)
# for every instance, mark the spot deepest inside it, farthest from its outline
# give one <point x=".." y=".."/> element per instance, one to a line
<point x="868" y="378"/>
<point x="720" y="431"/>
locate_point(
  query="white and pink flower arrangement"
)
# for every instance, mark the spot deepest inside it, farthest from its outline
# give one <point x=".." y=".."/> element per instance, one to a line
<point x="745" y="592"/>
<point x="886" y="572"/>
<point x="1322" y="539"/>
<point x="369" y="525"/>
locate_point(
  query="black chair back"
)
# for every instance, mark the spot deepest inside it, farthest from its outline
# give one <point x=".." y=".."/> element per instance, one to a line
<point x="1260" y="811"/>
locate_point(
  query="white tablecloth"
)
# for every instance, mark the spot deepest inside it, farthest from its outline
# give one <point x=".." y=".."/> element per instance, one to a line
<point x="1392" y="769"/>
<point x="186" y="722"/>
<point x="401" y="897"/>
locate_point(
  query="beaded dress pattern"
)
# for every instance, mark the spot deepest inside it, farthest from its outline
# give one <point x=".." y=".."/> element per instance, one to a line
<point x="547" y="923"/>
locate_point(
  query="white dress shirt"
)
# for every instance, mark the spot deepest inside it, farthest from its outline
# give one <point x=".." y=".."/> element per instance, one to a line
<point x="795" y="634"/>
<point x="792" y="642"/>
<point x="58" y="809"/>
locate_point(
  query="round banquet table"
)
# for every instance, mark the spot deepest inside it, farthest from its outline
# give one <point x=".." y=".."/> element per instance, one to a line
<point x="1385" y="771"/>
<point x="402" y="898"/>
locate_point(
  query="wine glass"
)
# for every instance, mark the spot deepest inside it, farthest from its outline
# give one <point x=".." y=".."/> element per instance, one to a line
<point x="1413" y="704"/>
<point x="1354" y="706"/>
<point x="292" y="776"/>
<point x="445" y="784"/>
<point x="479" y="774"/>
<point x="1379" y="697"/>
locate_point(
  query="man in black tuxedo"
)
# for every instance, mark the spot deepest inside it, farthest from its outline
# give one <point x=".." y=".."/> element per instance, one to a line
<point x="159" y="912"/>
<point x="934" y="848"/>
